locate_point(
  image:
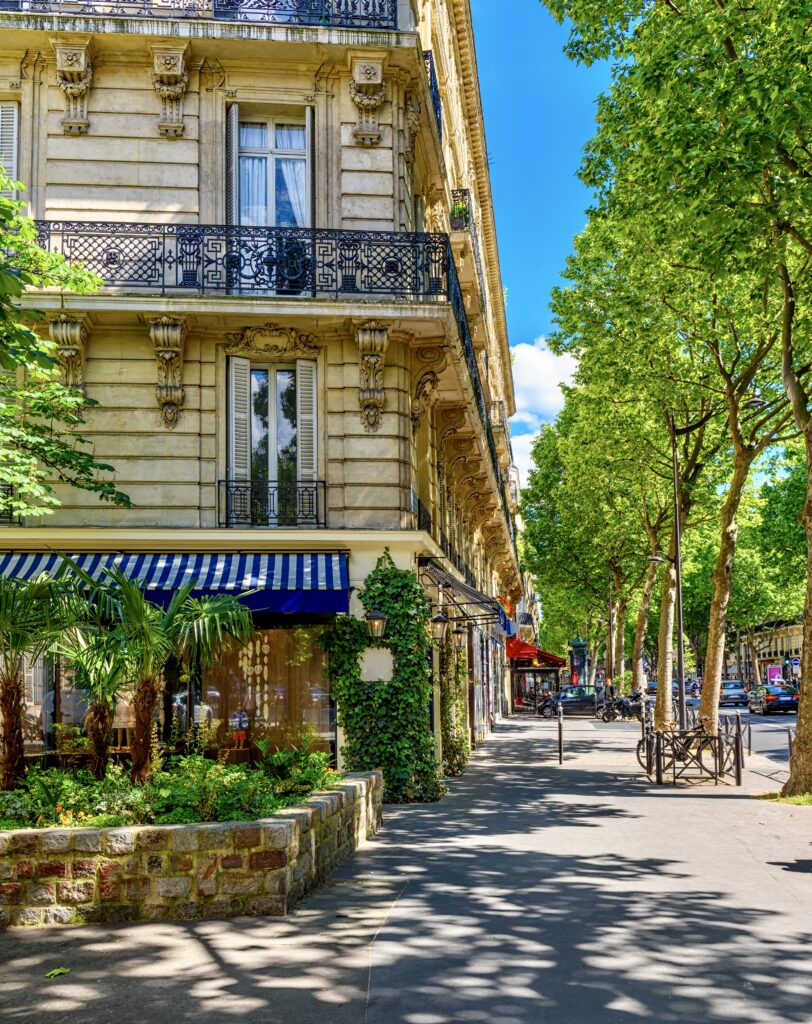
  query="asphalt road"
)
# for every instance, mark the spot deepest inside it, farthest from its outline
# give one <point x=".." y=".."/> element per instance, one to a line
<point x="769" y="731"/>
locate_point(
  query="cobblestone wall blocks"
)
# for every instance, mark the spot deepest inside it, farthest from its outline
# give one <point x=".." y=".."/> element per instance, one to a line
<point x="75" y="892"/>
<point x="241" y="883"/>
<point x="184" y="840"/>
<point x="175" y="886"/>
<point x="40" y="895"/>
<point x="88" y="840"/>
<point x="27" y="916"/>
<point x="247" y="836"/>
<point x="56" y="841"/>
<point x="216" y="837"/>
<point x="119" y="841"/>
<point x="151" y="839"/>
<point x="277" y="836"/>
<point x="109" y="880"/>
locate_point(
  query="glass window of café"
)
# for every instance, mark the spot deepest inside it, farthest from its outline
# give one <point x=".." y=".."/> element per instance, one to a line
<point x="276" y="687"/>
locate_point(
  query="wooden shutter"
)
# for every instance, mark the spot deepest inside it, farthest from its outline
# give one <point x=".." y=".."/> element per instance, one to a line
<point x="239" y="432"/>
<point x="306" y="419"/>
<point x="233" y="164"/>
<point x="310" y="140"/>
<point x="9" y="128"/>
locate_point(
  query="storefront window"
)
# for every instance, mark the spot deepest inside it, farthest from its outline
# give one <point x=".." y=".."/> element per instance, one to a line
<point x="276" y="686"/>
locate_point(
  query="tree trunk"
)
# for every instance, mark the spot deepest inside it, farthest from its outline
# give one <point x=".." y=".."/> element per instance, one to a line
<point x="664" y="706"/>
<point x="593" y="662"/>
<point x="722" y="583"/>
<point x="99" y="724"/>
<point x="620" y="641"/>
<point x="145" y="698"/>
<point x="12" y="701"/>
<point x="754" y="665"/>
<point x="640" y="629"/>
<point x="800" y="769"/>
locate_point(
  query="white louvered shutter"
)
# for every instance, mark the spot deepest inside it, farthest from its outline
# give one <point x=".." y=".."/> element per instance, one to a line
<point x="239" y="434"/>
<point x="9" y="140"/>
<point x="306" y="419"/>
<point x="233" y="164"/>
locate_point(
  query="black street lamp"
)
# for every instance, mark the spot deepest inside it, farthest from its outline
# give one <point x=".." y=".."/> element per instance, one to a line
<point x="439" y="627"/>
<point x="460" y="635"/>
<point x="376" y="623"/>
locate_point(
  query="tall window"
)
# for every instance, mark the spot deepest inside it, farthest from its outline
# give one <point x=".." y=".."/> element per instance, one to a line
<point x="272" y="443"/>
<point x="273" y="187"/>
<point x="9" y="128"/>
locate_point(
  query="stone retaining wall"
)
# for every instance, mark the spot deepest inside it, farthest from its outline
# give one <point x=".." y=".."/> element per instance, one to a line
<point x="184" y="872"/>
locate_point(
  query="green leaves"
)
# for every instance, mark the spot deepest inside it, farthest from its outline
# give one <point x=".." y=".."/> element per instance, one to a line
<point x="39" y="415"/>
<point x="58" y="972"/>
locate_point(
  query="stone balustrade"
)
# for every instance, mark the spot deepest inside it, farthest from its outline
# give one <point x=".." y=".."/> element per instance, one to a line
<point x="61" y="876"/>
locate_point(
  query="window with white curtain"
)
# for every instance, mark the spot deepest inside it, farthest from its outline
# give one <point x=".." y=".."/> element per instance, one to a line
<point x="273" y="178"/>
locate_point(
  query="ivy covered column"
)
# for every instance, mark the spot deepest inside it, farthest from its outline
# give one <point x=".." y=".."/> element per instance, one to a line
<point x="387" y="722"/>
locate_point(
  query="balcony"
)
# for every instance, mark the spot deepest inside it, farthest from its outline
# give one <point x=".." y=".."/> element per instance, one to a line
<point x="355" y="14"/>
<point x="434" y="90"/>
<point x="464" y="233"/>
<point x="289" y="263"/>
<point x="294" y="505"/>
<point x="171" y="259"/>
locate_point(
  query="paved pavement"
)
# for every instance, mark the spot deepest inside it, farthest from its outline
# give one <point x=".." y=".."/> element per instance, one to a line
<point x="532" y="893"/>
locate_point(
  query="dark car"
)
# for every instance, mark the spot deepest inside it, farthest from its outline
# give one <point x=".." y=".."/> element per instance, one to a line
<point x="733" y="692"/>
<point x="768" y="700"/>
<point x="576" y="700"/>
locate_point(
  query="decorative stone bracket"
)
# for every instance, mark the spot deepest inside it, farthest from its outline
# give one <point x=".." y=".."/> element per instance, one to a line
<point x="424" y="395"/>
<point x="74" y="74"/>
<point x="169" y="79"/>
<point x="168" y="335"/>
<point x="372" y="340"/>
<point x="367" y="91"/>
<point x="412" y="110"/>
<point x="69" y="334"/>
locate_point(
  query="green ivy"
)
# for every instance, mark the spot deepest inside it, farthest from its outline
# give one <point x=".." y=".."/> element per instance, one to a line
<point x="386" y="723"/>
<point x="454" y="708"/>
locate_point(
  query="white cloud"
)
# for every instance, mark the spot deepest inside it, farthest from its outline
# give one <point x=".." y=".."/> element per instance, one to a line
<point x="537" y="376"/>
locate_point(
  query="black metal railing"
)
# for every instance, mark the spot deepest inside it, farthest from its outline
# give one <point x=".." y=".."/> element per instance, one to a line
<point x="424" y="520"/>
<point x="7" y="516"/>
<point x="287" y="262"/>
<point x="691" y="755"/>
<point x="434" y="89"/>
<point x="357" y="14"/>
<point x="284" y="505"/>
<point x="461" y="200"/>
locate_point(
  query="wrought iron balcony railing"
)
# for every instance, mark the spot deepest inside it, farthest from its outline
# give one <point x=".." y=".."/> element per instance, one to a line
<point x="461" y="200"/>
<point x="288" y="262"/>
<point x="296" y="504"/>
<point x="424" y="520"/>
<point x="434" y="89"/>
<point x="358" y="14"/>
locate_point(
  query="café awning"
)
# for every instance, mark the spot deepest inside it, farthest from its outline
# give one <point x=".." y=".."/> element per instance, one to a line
<point x="469" y="601"/>
<point x="281" y="583"/>
<point x="519" y="650"/>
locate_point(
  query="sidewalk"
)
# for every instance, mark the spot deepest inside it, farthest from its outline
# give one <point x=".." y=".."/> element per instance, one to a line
<point x="532" y="893"/>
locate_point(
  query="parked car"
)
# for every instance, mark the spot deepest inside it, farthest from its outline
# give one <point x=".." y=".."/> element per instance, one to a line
<point x="733" y="692"/>
<point x="767" y="700"/>
<point x="574" y="699"/>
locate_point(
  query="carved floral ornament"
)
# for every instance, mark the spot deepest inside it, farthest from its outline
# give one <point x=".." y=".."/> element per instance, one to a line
<point x="74" y="75"/>
<point x="168" y="335"/>
<point x="69" y="335"/>
<point x="272" y="342"/>
<point x="372" y="339"/>
<point x="425" y="394"/>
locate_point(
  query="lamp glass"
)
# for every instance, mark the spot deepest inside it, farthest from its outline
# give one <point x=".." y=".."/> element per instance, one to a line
<point x="460" y="636"/>
<point x="376" y="622"/>
<point x="439" y="627"/>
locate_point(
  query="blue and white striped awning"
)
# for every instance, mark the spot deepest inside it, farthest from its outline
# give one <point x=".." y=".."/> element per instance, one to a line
<point x="289" y="582"/>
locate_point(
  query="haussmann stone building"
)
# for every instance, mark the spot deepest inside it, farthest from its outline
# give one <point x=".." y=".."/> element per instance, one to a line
<point x="299" y="349"/>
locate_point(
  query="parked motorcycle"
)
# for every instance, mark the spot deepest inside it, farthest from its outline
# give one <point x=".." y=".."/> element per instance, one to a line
<point x="623" y="709"/>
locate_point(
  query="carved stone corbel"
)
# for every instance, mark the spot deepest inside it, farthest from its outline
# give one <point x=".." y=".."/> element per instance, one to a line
<point x="367" y="91"/>
<point x="412" y="110"/>
<point x="69" y="334"/>
<point x="424" y="394"/>
<point x="372" y="340"/>
<point x="169" y="79"/>
<point x="168" y="334"/>
<point x="74" y="75"/>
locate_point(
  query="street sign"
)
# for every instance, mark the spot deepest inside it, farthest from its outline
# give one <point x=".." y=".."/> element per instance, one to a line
<point x="796" y="661"/>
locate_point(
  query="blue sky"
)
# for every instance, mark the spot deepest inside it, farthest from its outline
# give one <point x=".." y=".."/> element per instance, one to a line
<point x="539" y="112"/>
